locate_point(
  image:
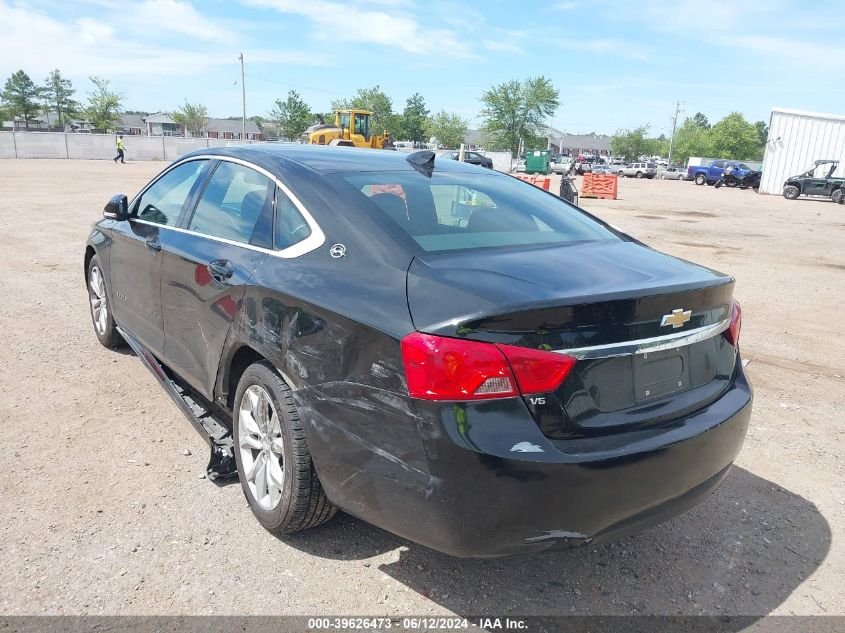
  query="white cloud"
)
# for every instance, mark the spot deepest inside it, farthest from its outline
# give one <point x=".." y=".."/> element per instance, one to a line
<point x="364" y="22"/>
<point x="175" y="16"/>
<point x="565" y="6"/>
<point x="38" y="42"/>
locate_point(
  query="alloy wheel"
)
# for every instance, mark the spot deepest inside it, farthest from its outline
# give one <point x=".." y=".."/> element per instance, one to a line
<point x="261" y="447"/>
<point x="99" y="301"/>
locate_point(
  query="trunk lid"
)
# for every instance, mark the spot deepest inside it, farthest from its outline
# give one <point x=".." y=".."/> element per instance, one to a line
<point x="602" y="302"/>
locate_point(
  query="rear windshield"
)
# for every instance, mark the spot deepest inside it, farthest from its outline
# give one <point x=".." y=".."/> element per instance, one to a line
<point x="451" y="211"/>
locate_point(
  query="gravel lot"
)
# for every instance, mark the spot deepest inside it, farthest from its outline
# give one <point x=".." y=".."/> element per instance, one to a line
<point x="103" y="513"/>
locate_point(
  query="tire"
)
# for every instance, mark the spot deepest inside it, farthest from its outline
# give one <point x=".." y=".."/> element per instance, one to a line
<point x="99" y="301"/>
<point x="791" y="192"/>
<point x="700" y="179"/>
<point x="298" y="501"/>
<point x="639" y="174"/>
<point x="837" y="196"/>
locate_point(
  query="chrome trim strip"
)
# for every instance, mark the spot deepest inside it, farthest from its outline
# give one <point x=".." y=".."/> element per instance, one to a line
<point x="313" y="241"/>
<point x="645" y="345"/>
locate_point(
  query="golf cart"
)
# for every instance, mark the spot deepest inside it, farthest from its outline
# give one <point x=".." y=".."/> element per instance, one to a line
<point x="817" y="181"/>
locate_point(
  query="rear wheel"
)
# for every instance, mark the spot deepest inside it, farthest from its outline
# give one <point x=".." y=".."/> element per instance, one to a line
<point x="791" y="192"/>
<point x="274" y="464"/>
<point x="837" y="195"/>
<point x="700" y="179"/>
<point x="101" y="314"/>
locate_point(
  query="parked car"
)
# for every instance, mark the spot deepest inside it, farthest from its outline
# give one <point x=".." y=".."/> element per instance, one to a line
<point x="604" y="170"/>
<point x="562" y="166"/>
<point x="816" y="181"/>
<point x="451" y="354"/>
<point x="670" y="173"/>
<point x="710" y="174"/>
<point x="639" y="170"/>
<point x="473" y="158"/>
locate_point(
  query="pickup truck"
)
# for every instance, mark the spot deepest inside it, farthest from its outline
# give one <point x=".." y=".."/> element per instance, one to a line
<point x="710" y="174"/>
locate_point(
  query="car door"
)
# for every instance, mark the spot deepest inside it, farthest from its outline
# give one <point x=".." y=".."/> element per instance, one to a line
<point x="225" y="237"/>
<point x="135" y="261"/>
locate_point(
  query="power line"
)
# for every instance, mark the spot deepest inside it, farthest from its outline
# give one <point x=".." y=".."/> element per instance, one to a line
<point x="300" y="87"/>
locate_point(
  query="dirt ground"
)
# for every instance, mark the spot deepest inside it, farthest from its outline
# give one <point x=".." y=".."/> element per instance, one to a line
<point x="102" y="513"/>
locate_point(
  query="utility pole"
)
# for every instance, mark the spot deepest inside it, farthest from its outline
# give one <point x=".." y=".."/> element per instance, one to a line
<point x="674" y="126"/>
<point x="243" y="99"/>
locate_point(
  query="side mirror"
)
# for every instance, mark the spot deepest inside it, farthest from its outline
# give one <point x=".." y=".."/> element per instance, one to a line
<point x="117" y="208"/>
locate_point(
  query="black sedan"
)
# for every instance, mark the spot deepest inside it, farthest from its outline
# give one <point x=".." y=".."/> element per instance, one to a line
<point x="444" y="351"/>
<point x="473" y="158"/>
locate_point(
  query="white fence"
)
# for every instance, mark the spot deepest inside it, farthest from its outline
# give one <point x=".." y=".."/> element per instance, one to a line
<point x="102" y="146"/>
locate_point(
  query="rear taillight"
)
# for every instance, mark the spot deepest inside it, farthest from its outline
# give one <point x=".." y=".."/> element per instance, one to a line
<point x="440" y="368"/>
<point x="732" y="333"/>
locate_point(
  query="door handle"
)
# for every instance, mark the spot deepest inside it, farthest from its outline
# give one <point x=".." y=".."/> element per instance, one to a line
<point x="220" y="269"/>
<point x="153" y="244"/>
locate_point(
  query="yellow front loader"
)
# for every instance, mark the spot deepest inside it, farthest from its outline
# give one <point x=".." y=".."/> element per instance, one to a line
<point x="351" y="128"/>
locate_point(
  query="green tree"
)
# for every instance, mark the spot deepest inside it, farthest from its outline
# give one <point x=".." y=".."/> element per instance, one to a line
<point x="762" y="133"/>
<point x="517" y="109"/>
<point x="22" y="96"/>
<point x="631" y="143"/>
<point x="194" y="116"/>
<point x="691" y="140"/>
<point x="291" y="116"/>
<point x="449" y="129"/>
<point x="103" y="110"/>
<point x="412" y="124"/>
<point x="734" y="137"/>
<point x="58" y="94"/>
<point x="701" y="121"/>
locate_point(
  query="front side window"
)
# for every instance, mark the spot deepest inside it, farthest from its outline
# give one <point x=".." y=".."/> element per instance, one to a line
<point x="362" y="125"/>
<point x="163" y="201"/>
<point x="450" y="211"/>
<point x="232" y="203"/>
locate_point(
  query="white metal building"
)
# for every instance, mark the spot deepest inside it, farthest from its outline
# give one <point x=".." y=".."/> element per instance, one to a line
<point x="796" y="139"/>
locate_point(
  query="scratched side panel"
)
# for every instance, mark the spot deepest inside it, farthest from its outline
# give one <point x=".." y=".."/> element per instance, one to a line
<point x="345" y="369"/>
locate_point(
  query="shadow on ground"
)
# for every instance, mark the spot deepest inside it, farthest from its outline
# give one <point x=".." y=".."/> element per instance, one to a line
<point x="741" y="552"/>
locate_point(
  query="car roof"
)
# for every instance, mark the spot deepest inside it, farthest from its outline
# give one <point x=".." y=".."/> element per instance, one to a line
<point x="325" y="159"/>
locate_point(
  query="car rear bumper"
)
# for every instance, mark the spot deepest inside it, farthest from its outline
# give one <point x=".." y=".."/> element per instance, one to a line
<point x="492" y="485"/>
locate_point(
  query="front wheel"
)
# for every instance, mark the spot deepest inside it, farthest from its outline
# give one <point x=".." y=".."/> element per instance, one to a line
<point x="101" y="314"/>
<point x="274" y="464"/>
<point x="837" y="196"/>
<point x="791" y="192"/>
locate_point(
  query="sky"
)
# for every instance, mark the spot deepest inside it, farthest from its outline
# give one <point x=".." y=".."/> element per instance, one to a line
<point x="618" y="64"/>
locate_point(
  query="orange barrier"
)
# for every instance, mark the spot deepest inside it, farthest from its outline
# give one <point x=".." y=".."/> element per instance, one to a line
<point x="538" y="180"/>
<point x="600" y="186"/>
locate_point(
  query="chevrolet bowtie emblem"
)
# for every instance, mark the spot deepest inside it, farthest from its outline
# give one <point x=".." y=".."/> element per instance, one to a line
<point x="678" y="317"/>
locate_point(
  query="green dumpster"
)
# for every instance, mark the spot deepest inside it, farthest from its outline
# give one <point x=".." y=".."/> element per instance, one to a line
<point x="537" y="162"/>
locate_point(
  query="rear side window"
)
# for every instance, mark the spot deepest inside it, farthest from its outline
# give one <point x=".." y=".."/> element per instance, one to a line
<point x="449" y="211"/>
<point x="291" y="227"/>
<point x="163" y="201"/>
<point x="232" y="203"/>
